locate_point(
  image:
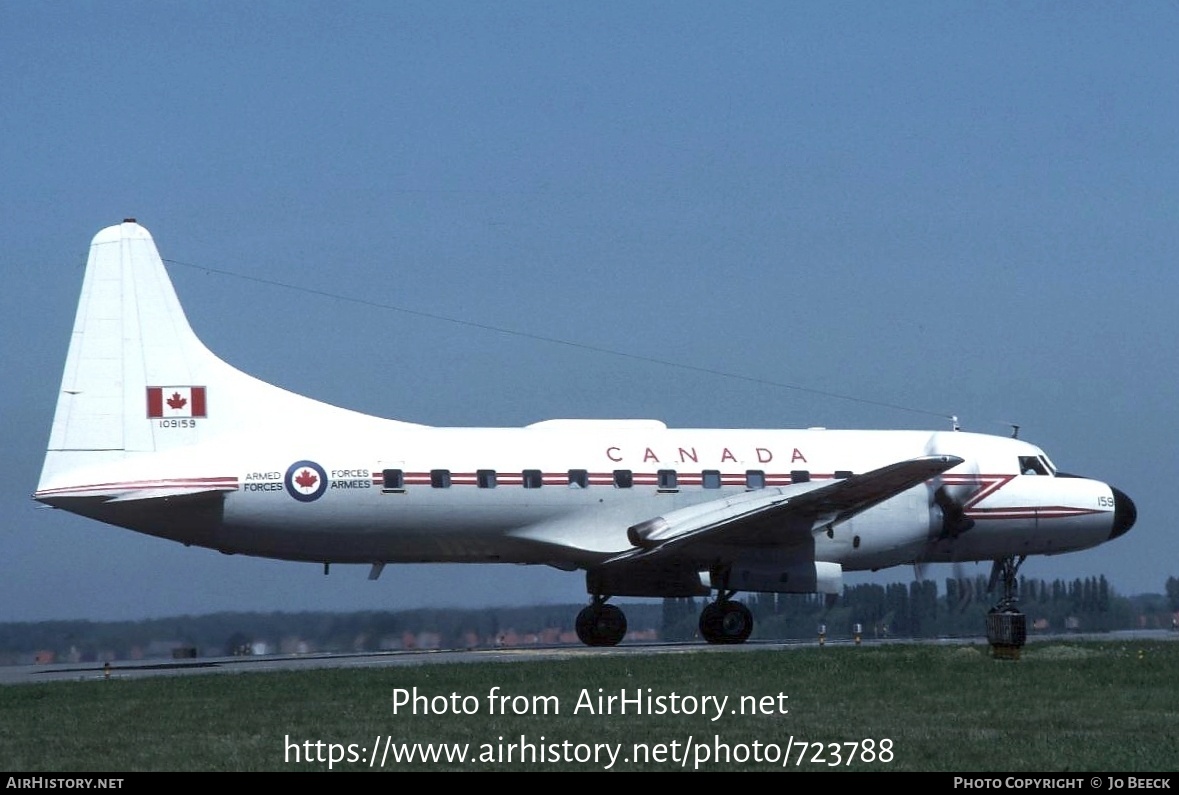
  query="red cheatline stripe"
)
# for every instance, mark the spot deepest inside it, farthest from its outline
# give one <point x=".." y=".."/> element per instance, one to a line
<point x="992" y="483"/>
<point x="1048" y="512"/>
<point x="989" y="484"/>
<point x="1031" y="513"/>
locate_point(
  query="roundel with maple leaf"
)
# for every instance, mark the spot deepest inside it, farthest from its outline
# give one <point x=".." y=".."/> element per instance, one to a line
<point x="306" y="481"/>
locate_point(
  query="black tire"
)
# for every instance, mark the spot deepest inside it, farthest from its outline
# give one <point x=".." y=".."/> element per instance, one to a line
<point x="726" y="622"/>
<point x="710" y="623"/>
<point x="601" y="625"/>
<point x="736" y="623"/>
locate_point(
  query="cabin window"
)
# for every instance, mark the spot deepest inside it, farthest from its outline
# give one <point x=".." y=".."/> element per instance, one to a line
<point x="623" y="479"/>
<point x="755" y="479"/>
<point x="533" y="479"/>
<point x="578" y="479"/>
<point x="800" y="476"/>
<point x="710" y="479"/>
<point x="843" y="474"/>
<point x="485" y="478"/>
<point x="392" y="480"/>
<point x="440" y="478"/>
<point x="667" y="480"/>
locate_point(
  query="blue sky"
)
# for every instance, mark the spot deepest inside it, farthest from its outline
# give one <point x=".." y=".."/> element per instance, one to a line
<point x="957" y="208"/>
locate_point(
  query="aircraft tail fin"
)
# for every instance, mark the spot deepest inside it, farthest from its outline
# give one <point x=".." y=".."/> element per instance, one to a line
<point x="137" y="378"/>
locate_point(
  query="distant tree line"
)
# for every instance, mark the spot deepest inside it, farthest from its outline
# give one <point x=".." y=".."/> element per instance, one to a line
<point x="227" y="634"/>
<point x="916" y="609"/>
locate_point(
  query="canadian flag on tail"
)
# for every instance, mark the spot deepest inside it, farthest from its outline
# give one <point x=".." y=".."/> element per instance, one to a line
<point x="176" y="401"/>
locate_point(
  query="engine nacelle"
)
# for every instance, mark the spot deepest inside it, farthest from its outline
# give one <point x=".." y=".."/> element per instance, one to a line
<point x="788" y="576"/>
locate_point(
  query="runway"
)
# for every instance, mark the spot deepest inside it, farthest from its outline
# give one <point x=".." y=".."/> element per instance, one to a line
<point x="126" y="669"/>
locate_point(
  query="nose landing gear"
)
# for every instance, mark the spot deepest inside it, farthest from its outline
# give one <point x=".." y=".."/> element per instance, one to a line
<point x="1007" y="627"/>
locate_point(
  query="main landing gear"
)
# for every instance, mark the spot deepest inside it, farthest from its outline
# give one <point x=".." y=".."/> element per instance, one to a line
<point x="601" y="624"/>
<point x="725" y="621"/>
<point x="722" y="621"/>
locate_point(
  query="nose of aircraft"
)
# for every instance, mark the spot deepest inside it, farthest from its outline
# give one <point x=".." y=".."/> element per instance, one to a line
<point x="1125" y="513"/>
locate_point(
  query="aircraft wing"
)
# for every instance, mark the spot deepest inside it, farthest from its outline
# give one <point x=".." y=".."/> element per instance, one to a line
<point x="775" y="517"/>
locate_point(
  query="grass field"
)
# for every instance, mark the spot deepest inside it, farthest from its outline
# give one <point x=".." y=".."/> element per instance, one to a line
<point x="1084" y="706"/>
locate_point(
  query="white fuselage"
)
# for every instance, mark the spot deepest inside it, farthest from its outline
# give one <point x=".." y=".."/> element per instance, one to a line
<point x="407" y="494"/>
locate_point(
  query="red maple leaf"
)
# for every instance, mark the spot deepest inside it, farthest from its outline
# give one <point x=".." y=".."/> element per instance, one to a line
<point x="306" y="479"/>
<point x="176" y="401"/>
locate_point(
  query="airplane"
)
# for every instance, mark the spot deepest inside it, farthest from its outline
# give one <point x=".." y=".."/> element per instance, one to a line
<point x="155" y="433"/>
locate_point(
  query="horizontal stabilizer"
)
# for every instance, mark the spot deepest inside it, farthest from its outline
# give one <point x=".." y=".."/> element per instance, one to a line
<point x="129" y="492"/>
<point x="165" y="493"/>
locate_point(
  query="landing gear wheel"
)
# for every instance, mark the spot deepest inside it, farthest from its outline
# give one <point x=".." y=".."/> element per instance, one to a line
<point x="710" y="622"/>
<point x="601" y="625"/>
<point x="726" y="622"/>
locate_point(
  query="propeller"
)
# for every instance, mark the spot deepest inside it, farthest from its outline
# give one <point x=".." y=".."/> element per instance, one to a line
<point x="966" y="587"/>
<point x="950" y="499"/>
<point x="950" y="491"/>
<point x="948" y="495"/>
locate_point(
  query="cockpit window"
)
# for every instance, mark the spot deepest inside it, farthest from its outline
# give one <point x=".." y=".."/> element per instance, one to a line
<point x="1032" y="465"/>
<point x="1049" y="464"/>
